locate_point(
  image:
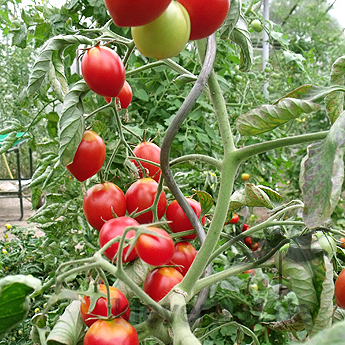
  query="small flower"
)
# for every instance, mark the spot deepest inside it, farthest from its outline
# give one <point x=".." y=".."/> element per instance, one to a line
<point x="4" y="251"/>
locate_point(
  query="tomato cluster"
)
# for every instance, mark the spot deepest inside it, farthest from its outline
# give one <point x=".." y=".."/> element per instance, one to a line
<point x="248" y="240"/>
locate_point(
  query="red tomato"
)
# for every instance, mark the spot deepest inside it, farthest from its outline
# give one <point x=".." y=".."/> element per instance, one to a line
<point x="101" y="201"/>
<point x="141" y="195"/>
<point x="166" y="36"/>
<point x="248" y="241"/>
<point x="245" y="227"/>
<point x="118" y="301"/>
<point x="134" y="12"/>
<point x="113" y="228"/>
<point x="151" y="152"/>
<point x="235" y="219"/>
<point x="103" y="71"/>
<point x="184" y="255"/>
<point x="254" y="246"/>
<point x="206" y="16"/>
<point x="160" y="281"/>
<point x="339" y="289"/>
<point x="155" y="251"/>
<point x="125" y="96"/>
<point x="116" y="331"/>
<point x="89" y="157"/>
<point x="179" y="219"/>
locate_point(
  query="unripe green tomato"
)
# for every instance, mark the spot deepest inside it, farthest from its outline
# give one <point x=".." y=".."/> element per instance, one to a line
<point x="275" y="76"/>
<point x="256" y="25"/>
<point x="238" y="78"/>
<point x="270" y="88"/>
<point x="166" y="36"/>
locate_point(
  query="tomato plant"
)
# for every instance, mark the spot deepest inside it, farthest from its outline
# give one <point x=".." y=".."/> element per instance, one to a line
<point x="103" y="71"/>
<point x="166" y="36"/>
<point x="140" y="196"/>
<point x="117" y="331"/>
<point x="101" y="201"/>
<point x="135" y="13"/>
<point x="118" y="301"/>
<point x="183" y="257"/>
<point x="160" y="281"/>
<point x="113" y="228"/>
<point x="149" y="151"/>
<point x="154" y="250"/>
<point x="339" y="289"/>
<point x="89" y="157"/>
<point x="206" y="16"/>
<point x="179" y="220"/>
<point x="124" y="97"/>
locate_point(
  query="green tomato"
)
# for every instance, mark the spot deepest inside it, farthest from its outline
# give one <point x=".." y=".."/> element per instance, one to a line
<point x="166" y="36"/>
<point x="238" y="78"/>
<point x="256" y="25"/>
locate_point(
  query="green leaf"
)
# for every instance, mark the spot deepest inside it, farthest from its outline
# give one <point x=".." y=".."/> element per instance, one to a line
<point x="70" y="328"/>
<point x="231" y="19"/>
<point x="141" y="94"/>
<point x="272" y="194"/>
<point x="8" y="142"/>
<point x="250" y="196"/>
<point x="20" y="36"/>
<point x="14" y="299"/>
<point x="42" y="65"/>
<point x="241" y="36"/>
<point x="335" y="100"/>
<point x="322" y="175"/>
<point x="57" y="78"/>
<point x="72" y="123"/>
<point x="268" y="117"/>
<point x="205" y="200"/>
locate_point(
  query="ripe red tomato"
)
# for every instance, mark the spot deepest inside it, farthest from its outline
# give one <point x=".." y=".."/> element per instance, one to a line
<point x="179" y="220"/>
<point x="103" y="71"/>
<point x="245" y="227"/>
<point x="125" y="96"/>
<point x="89" y="157"/>
<point x="155" y="251"/>
<point x="160" y="281"/>
<point x="134" y="12"/>
<point x="235" y="219"/>
<point x="339" y="289"/>
<point x="254" y="246"/>
<point x="248" y="241"/>
<point x="116" y="331"/>
<point x="151" y="152"/>
<point x="166" y="36"/>
<point x="118" y="301"/>
<point x="101" y="201"/>
<point x="184" y="255"/>
<point x="141" y="195"/>
<point x="206" y="16"/>
<point x="113" y="228"/>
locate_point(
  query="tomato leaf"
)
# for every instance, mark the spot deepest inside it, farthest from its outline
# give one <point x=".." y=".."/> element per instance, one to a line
<point x="205" y="200"/>
<point x="241" y="36"/>
<point x="69" y="330"/>
<point x="42" y="65"/>
<point x="322" y="175"/>
<point x="8" y="142"/>
<point x="250" y="196"/>
<point x="268" y="117"/>
<point x="231" y="19"/>
<point x="14" y="299"/>
<point x="335" y="100"/>
<point x="272" y="194"/>
<point x="57" y="78"/>
<point x="72" y="123"/>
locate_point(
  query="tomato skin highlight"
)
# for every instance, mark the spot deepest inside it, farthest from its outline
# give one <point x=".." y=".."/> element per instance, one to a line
<point x="113" y="228"/>
<point x="89" y="157"/>
<point x="141" y="195"/>
<point x="160" y="281"/>
<point x="117" y="331"/>
<point x="339" y="289"/>
<point x="134" y="13"/>
<point x="149" y="151"/>
<point x="166" y="36"/>
<point x="206" y="16"/>
<point x="155" y="251"/>
<point x="119" y="304"/>
<point x="103" y="71"/>
<point x="179" y="220"/>
<point x="125" y="96"/>
<point x="100" y="202"/>
<point x="184" y="255"/>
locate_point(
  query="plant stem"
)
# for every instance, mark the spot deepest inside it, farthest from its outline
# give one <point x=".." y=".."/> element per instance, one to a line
<point x="196" y="157"/>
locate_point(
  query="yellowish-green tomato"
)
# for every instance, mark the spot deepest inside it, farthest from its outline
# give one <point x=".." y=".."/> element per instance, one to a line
<point x="8" y="226"/>
<point x="245" y="177"/>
